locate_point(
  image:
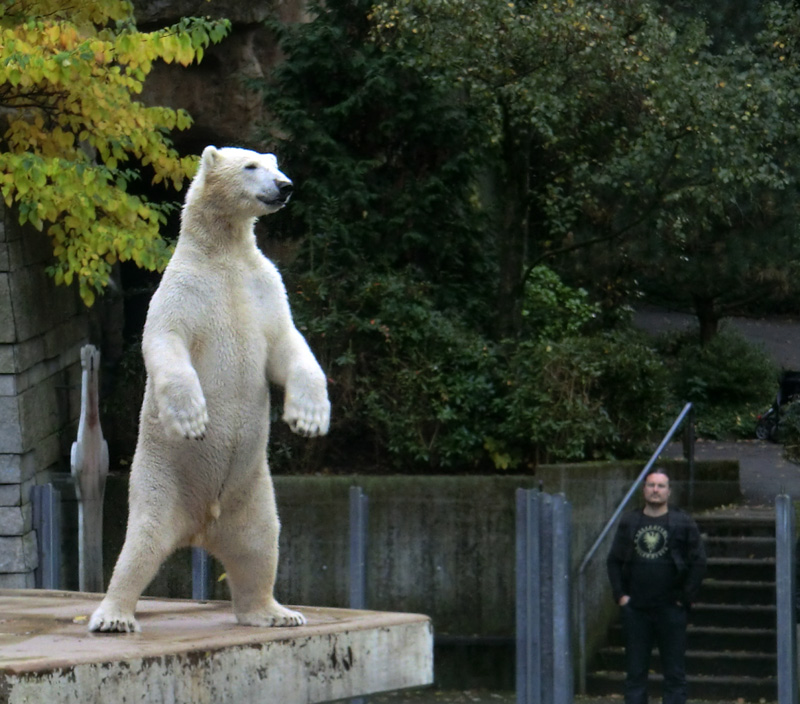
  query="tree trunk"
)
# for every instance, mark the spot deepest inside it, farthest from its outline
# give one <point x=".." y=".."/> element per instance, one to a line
<point x="513" y="196"/>
<point x="707" y="317"/>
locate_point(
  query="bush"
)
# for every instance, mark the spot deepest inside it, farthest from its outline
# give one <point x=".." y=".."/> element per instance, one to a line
<point x="580" y="398"/>
<point x="789" y="431"/>
<point x="411" y="387"/>
<point x="729" y="381"/>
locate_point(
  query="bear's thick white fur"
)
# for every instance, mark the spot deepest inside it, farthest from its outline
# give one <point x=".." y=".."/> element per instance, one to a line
<point x="218" y="331"/>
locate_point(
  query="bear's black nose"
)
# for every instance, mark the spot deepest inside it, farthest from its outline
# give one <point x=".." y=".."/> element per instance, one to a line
<point x="285" y="189"/>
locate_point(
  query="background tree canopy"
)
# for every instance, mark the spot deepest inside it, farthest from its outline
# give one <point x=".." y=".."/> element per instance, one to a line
<point x="459" y="164"/>
<point x="482" y="190"/>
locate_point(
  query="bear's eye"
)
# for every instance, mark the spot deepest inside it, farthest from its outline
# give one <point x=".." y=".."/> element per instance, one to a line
<point x="251" y="167"/>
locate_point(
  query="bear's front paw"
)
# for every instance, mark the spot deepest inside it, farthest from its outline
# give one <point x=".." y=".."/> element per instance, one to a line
<point x="107" y="619"/>
<point x="306" y="416"/>
<point x="276" y="615"/>
<point x="185" y="416"/>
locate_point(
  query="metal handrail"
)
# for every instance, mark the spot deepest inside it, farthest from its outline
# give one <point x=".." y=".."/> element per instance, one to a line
<point x="603" y="533"/>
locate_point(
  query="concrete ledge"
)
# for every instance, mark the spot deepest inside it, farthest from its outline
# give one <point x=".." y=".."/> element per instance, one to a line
<point x="194" y="653"/>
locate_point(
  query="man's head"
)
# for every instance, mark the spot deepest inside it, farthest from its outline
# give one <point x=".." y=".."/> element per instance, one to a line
<point x="656" y="489"/>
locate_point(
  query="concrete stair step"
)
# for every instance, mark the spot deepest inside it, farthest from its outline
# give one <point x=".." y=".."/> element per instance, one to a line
<point x="714" y="638"/>
<point x="736" y="568"/>
<point x="701" y="662"/>
<point x="734" y="615"/>
<point x="731" y="637"/>
<point x="749" y="547"/>
<point x="722" y="688"/>
<point x="738" y="522"/>
<point x="722" y="591"/>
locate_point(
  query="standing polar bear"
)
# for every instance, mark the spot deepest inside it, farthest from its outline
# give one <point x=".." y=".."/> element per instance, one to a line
<point x="218" y="331"/>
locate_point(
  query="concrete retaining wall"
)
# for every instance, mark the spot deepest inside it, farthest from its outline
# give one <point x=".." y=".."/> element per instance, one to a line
<point x="42" y="329"/>
<point x="443" y="546"/>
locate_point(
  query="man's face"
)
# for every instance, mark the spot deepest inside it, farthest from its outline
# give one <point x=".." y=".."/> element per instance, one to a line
<point x="656" y="489"/>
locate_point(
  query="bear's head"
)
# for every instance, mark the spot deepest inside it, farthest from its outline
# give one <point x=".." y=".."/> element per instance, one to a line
<point x="241" y="181"/>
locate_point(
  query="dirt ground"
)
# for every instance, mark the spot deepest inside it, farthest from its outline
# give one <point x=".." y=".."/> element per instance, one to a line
<point x="434" y="696"/>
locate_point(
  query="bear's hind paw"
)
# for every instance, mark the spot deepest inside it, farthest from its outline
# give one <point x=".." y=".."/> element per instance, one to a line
<point x="112" y="621"/>
<point x="277" y="616"/>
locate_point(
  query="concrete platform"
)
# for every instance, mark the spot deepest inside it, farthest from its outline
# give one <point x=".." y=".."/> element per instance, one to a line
<point x="193" y="652"/>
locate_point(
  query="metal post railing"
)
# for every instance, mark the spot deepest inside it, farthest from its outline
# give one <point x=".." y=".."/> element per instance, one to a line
<point x="529" y="601"/>
<point x="359" y="514"/>
<point x="544" y="671"/>
<point x="582" y="655"/>
<point x="201" y="575"/>
<point x="785" y="586"/>
<point x="46" y="500"/>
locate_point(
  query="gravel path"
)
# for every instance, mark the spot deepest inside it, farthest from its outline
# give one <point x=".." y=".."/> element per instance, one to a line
<point x="779" y="337"/>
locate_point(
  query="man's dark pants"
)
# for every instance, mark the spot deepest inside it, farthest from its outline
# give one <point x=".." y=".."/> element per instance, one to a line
<point x="664" y="626"/>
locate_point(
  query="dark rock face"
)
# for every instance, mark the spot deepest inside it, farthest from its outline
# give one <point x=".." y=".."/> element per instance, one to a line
<point x="225" y="110"/>
<point x="161" y="12"/>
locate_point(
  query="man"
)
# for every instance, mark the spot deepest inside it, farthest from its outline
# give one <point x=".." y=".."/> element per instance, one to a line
<point x="656" y="565"/>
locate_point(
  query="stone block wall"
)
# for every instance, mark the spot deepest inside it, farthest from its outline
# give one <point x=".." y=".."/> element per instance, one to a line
<point x="42" y="329"/>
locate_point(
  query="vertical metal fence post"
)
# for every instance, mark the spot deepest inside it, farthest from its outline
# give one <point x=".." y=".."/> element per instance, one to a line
<point x="563" y="678"/>
<point x="546" y="591"/>
<point x="544" y="642"/>
<point x="359" y="514"/>
<point x="46" y="501"/>
<point x="528" y="672"/>
<point x="785" y="586"/>
<point x="201" y="574"/>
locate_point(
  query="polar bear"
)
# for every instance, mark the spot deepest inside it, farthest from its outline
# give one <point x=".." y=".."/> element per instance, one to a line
<point x="218" y="331"/>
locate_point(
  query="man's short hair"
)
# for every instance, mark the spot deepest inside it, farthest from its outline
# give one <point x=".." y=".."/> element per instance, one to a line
<point x="657" y="470"/>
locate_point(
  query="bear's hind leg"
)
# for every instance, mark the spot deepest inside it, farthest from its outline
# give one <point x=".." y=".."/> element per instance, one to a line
<point x="246" y="542"/>
<point x="149" y="540"/>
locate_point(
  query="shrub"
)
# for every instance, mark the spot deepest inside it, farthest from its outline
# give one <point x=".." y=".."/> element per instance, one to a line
<point x="579" y="398"/>
<point x="729" y="381"/>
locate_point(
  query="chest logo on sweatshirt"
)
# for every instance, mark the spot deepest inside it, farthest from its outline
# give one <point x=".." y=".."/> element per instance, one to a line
<point x="650" y="542"/>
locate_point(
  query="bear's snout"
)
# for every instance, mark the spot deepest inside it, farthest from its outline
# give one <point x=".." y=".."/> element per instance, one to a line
<point x="285" y="190"/>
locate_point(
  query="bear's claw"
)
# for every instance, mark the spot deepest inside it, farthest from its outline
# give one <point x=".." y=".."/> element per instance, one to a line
<point x="113" y="622"/>
<point x="189" y="422"/>
<point x="310" y="419"/>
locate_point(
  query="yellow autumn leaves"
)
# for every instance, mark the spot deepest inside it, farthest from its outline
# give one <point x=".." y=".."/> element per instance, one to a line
<point x="68" y="78"/>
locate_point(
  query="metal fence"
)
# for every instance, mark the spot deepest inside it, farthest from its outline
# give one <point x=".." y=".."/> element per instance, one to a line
<point x="544" y="645"/>
<point x="543" y="536"/>
<point x="46" y="500"/>
<point x="785" y="589"/>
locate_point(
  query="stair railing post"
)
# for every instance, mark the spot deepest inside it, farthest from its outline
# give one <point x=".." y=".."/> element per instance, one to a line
<point x="688" y="451"/>
<point x="785" y="587"/>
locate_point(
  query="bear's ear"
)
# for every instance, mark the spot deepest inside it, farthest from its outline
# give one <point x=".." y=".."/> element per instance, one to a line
<point x="208" y="157"/>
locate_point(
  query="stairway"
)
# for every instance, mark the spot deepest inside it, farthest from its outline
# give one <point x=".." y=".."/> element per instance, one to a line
<point x="731" y="639"/>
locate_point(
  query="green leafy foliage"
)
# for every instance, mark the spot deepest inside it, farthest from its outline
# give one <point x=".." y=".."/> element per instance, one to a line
<point x="395" y="270"/>
<point x="728" y="380"/>
<point x="69" y="75"/>
<point x="789" y="431"/>
<point x="625" y="130"/>
<point x="581" y="397"/>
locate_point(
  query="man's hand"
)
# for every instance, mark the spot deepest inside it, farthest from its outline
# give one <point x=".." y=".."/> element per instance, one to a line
<point x="624" y="600"/>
